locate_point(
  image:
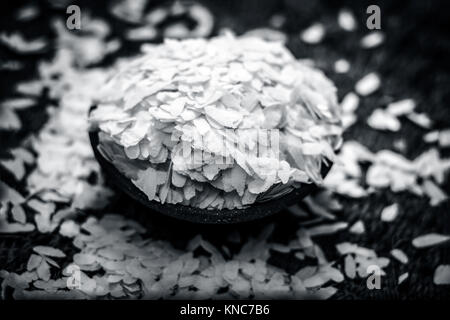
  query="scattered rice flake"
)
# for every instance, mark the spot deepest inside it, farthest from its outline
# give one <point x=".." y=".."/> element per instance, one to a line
<point x="49" y="251"/>
<point x="30" y="88"/>
<point x="18" y="43"/>
<point x="421" y="119"/>
<point x="156" y="16"/>
<point x="129" y="10"/>
<point x="436" y="194"/>
<point x="341" y="66"/>
<point x="372" y="40"/>
<point x="11" y="65"/>
<point x="399" y="255"/>
<point x="15" y="227"/>
<point x="358" y="227"/>
<point x="177" y="31"/>
<point x="33" y="262"/>
<point x="43" y="271"/>
<point x="313" y="34"/>
<point x="280" y="248"/>
<point x="401" y="107"/>
<point x="350" y="266"/>
<point x="403" y="277"/>
<point x="318" y="208"/>
<point x="382" y="120"/>
<point x="345" y="248"/>
<point x="277" y="20"/>
<point x="324" y="274"/>
<point x="204" y="20"/>
<point x="16" y="165"/>
<point x="442" y="275"/>
<point x="18" y="103"/>
<point x="368" y="84"/>
<point x="400" y="144"/>
<point x="327" y="199"/>
<point x="431" y="137"/>
<point x="389" y="213"/>
<point x="9" y="194"/>
<point x="9" y="120"/>
<point x="27" y="13"/>
<point x="350" y="102"/>
<point x="69" y="229"/>
<point x="346" y="20"/>
<point x="429" y="240"/>
<point x="444" y="138"/>
<point x="145" y="33"/>
<point x="326" y="229"/>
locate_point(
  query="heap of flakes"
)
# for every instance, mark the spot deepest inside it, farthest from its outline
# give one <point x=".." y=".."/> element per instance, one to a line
<point x="218" y="123"/>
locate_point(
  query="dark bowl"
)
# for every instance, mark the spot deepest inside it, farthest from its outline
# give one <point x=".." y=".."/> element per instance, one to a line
<point x="197" y="215"/>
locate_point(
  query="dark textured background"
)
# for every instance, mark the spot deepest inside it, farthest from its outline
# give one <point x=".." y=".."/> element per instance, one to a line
<point x="413" y="63"/>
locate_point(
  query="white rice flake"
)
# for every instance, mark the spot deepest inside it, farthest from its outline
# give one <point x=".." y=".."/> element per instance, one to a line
<point x="403" y="277"/>
<point x="368" y="84"/>
<point x="389" y="213"/>
<point x="313" y="34"/>
<point x="442" y="275"/>
<point x="358" y="227"/>
<point x="431" y="137"/>
<point x="17" y="42"/>
<point x="421" y="119"/>
<point x="49" y="251"/>
<point x="399" y="255"/>
<point x="327" y="229"/>
<point x="349" y="104"/>
<point x="444" y="138"/>
<point x="342" y="66"/>
<point x="436" y="194"/>
<point x="383" y="120"/>
<point x="429" y="240"/>
<point x="15" y="227"/>
<point x="401" y="107"/>
<point x="69" y="229"/>
<point x="372" y="40"/>
<point x="346" y="20"/>
<point x="277" y="20"/>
